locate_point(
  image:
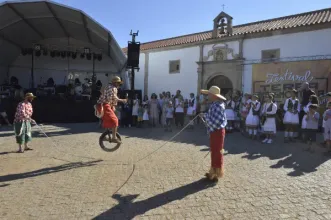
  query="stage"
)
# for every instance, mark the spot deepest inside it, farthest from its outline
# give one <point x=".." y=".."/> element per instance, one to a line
<point x="55" y="110"/>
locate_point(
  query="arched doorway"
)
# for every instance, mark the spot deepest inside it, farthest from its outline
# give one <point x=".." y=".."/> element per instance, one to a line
<point x="221" y="81"/>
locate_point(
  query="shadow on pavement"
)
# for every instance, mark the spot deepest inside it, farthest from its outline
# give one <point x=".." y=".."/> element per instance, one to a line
<point x="127" y="209"/>
<point x="195" y="136"/>
<point x="289" y="156"/>
<point x="45" y="171"/>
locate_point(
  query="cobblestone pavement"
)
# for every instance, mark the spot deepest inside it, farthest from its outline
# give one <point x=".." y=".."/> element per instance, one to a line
<point x="75" y="179"/>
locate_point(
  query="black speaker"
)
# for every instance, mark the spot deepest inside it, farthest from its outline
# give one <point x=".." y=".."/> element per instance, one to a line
<point x="133" y="55"/>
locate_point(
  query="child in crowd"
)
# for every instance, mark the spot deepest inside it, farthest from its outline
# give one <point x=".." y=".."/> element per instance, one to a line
<point x="229" y="112"/>
<point x="313" y="99"/>
<point x="179" y="112"/>
<point x="169" y="116"/>
<point x="327" y="127"/>
<point x="118" y="111"/>
<point x="245" y="103"/>
<point x="140" y="115"/>
<point x="145" y="115"/>
<point x="311" y="130"/>
<point x="191" y="110"/>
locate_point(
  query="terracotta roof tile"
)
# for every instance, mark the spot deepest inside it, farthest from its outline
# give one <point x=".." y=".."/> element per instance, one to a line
<point x="292" y="21"/>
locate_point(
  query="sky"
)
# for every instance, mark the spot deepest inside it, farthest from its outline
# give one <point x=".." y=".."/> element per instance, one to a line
<point x="156" y="19"/>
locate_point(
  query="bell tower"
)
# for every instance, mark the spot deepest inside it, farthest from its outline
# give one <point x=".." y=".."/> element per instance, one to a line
<point x="222" y="25"/>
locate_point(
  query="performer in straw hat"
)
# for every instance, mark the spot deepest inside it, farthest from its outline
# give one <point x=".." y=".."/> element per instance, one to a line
<point x="22" y="122"/>
<point x="216" y="122"/>
<point x="105" y="108"/>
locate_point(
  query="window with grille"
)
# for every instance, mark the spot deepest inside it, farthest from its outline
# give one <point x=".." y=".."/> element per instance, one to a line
<point x="271" y="54"/>
<point x="174" y="66"/>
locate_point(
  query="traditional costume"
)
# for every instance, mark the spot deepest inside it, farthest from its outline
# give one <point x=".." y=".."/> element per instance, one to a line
<point x="216" y="122"/>
<point x="268" y="120"/>
<point x="244" y="109"/>
<point x="304" y="121"/>
<point x="230" y="114"/>
<point x="22" y="122"/>
<point x="252" y="119"/>
<point x="291" y="117"/>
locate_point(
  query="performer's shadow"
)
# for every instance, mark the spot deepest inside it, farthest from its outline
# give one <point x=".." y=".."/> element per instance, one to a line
<point x="127" y="209"/>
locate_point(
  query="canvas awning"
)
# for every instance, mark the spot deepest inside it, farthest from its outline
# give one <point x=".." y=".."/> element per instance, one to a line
<point x="24" y="24"/>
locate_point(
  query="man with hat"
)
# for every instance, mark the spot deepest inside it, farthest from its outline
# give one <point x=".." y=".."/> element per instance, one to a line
<point x="22" y="122"/>
<point x="106" y="107"/>
<point x="216" y="122"/>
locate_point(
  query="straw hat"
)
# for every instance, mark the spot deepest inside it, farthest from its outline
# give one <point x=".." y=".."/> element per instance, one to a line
<point x="216" y="91"/>
<point x="30" y="95"/>
<point x="116" y="79"/>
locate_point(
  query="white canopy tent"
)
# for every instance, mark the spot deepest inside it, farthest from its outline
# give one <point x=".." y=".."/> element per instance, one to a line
<point x="54" y="27"/>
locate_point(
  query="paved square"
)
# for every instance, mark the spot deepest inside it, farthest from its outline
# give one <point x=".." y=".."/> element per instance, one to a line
<point x="72" y="178"/>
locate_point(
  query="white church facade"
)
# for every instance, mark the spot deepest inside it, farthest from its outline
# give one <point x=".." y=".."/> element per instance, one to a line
<point x="289" y="50"/>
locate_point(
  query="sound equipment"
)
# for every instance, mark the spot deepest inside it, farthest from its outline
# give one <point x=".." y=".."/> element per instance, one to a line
<point x="133" y="55"/>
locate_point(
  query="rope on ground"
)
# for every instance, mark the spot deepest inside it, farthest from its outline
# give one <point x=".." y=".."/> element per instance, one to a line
<point x="133" y="164"/>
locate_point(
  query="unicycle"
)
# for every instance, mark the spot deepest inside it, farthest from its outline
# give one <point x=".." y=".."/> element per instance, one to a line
<point x="105" y="141"/>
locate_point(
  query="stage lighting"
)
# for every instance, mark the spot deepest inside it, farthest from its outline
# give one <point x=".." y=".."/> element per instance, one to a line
<point x="53" y="54"/>
<point x="100" y="57"/>
<point x="45" y="52"/>
<point x="89" y="56"/>
<point x="37" y="47"/>
<point x="74" y="55"/>
<point x="82" y="55"/>
<point x="87" y="50"/>
<point x="24" y="52"/>
<point x="63" y="54"/>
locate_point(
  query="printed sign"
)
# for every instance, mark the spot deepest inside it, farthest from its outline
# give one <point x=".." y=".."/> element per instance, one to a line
<point x="279" y="78"/>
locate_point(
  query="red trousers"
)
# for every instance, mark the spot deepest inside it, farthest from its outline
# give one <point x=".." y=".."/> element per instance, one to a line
<point x="216" y="146"/>
<point x="109" y="118"/>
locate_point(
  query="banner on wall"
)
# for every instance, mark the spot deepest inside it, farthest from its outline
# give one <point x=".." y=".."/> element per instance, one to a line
<point x="279" y="78"/>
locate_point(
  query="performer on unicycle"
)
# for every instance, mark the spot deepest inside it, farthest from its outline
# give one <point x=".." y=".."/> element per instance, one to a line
<point x="105" y="108"/>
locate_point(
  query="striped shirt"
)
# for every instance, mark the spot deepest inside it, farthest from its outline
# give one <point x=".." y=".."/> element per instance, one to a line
<point x="215" y="117"/>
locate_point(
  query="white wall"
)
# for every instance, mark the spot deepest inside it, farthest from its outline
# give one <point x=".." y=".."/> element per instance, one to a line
<point x="291" y="45"/>
<point x="160" y="80"/>
<point x="139" y="76"/>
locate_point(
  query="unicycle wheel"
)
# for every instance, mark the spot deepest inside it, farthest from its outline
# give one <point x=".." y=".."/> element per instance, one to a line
<point x="105" y="141"/>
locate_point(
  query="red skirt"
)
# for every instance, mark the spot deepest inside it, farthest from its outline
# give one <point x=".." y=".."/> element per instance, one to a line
<point x="216" y="146"/>
<point x="109" y="118"/>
